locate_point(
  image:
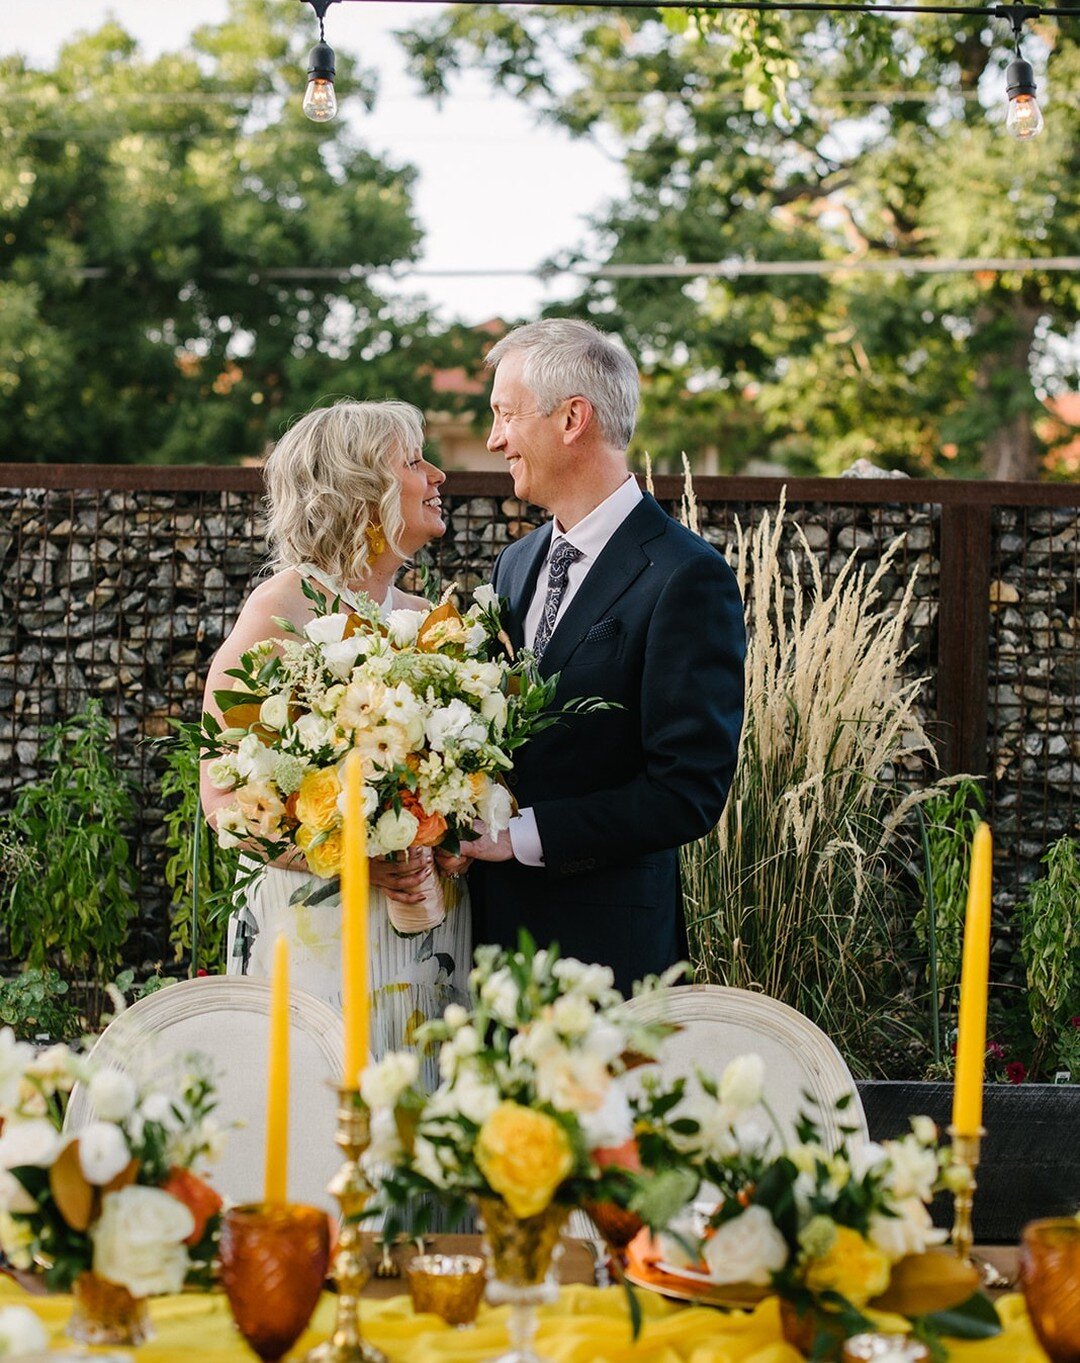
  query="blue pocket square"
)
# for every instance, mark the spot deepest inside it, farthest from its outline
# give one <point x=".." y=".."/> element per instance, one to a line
<point x="603" y="629"/>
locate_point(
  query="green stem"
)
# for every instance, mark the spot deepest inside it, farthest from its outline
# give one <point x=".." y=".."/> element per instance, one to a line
<point x="931" y="935"/>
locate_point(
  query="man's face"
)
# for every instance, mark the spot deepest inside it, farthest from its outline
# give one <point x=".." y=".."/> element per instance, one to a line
<point x="530" y="443"/>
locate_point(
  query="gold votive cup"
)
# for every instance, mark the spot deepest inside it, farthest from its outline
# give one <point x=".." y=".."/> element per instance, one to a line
<point x="871" y="1347"/>
<point x="448" y="1285"/>
<point x="1050" y="1281"/>
<point x="274" y="1258"/>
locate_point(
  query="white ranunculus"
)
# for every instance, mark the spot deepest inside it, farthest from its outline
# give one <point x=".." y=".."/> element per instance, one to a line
<point x="21" y="1333"/>
<point x="913" y="1169"/>
<point x="314" y="732"/>
<point x="383" y="1083"/>
<point x="743" y="1082"/>
<point x="36" y="1143"/>
<point x="13" y="1196"/>
<point x="14" y="1058"/>
<point x="395" y="832"/>
<point x="909" y="1232"/>
<point x="139" y="1240"/>
<point x="493" y="708"/>
<point x="112" y="1094"/>
<point x="485" y="596"/>
<point x="326" y="629"/>
<point x="221" y="773"/>
<point x="747" y="1249"/>
<point x="402" y="626"/>
<point x="103" y="1152"/>
<point x="274" y="711"/>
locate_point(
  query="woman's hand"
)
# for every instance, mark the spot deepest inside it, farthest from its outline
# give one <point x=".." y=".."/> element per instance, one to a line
<point x="405" y="881"/>
<point x="451" y="865"/>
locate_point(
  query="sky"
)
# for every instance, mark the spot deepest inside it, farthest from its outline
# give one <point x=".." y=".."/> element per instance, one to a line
<point x="496" y="190"/>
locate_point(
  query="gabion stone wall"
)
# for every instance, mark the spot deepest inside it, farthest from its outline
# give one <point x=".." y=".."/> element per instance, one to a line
<point x="125" y="592"/>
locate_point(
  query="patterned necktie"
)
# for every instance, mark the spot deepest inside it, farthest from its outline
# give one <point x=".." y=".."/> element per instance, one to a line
<point x="559" y="563"/>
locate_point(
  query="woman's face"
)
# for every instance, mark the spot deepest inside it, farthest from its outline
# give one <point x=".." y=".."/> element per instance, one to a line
<point x="421" y="505"/>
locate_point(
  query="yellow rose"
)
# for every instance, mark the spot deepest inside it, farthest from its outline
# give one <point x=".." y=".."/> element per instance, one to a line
<point x="316" y="800"/>
<point x="853" y="1267"/>
<point x="524" y="1155"/>
<point x="325" y="859"/>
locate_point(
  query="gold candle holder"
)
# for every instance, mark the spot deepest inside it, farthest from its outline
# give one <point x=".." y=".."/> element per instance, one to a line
<point x="351" y="1269"/>
<point x="965" y="1156"/>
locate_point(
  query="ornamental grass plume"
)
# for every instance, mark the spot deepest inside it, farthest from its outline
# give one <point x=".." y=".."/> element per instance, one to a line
<point x="790" y="894"/>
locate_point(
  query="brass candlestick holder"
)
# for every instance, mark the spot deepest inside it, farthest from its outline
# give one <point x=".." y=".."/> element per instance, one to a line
<point x="965" y="1156"/>
<point x="351" y="1269"/>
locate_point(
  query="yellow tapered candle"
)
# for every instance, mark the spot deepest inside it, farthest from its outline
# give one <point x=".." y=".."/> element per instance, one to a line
<point x="277" y="1079"/>
<point x="974" y="983"/>
<point x="354" y="926"/>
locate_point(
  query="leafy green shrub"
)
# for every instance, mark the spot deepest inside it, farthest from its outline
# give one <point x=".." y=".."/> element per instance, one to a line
<point x="199" y="873"/>
<point x="70" y="880"/>
<point x="1049" y="919"/>
<point x="39" y="1003"/>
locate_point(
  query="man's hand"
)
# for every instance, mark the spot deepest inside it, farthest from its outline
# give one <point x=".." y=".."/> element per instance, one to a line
<point x="449" y="864"/>
<point x="486" y="848"/>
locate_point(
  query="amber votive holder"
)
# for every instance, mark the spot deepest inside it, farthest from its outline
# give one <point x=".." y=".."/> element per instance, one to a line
<point x="448" y="1285"/>
<point x="1050" y="1282"/>
<point x="274" y="1258"/>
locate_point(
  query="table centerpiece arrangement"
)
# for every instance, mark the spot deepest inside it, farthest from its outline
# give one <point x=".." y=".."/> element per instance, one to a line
<point x="535" y="1115"/>
<point x="118" y="1211"/>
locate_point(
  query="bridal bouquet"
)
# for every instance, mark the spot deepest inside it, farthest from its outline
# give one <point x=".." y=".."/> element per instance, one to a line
<point x="429" y="699"/>
<point x="120" y="1200"/>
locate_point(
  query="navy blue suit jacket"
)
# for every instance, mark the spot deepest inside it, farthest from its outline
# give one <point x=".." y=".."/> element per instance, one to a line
<point x="657" y="626"/>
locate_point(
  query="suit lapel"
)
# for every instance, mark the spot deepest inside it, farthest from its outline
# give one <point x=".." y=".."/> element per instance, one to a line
<point x="521" y="581"/>
<point x="620" y="563"/>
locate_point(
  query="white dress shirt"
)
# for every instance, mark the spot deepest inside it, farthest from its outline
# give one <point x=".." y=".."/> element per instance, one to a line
<point x="589" y="537"/>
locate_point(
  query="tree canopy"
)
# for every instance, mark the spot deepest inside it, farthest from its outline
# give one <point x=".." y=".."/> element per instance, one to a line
<point x="145" y="206"/>
<point x="804" y="137"/>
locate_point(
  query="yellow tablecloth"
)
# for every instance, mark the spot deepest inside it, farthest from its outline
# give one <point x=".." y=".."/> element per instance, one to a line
<point x="586" y="1325"/>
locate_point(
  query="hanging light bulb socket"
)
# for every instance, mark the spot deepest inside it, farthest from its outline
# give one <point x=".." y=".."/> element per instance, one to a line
<point x="320" y="97"/>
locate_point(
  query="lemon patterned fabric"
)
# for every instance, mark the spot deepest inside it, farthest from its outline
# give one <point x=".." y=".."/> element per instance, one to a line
<point x="585" y="1325"/>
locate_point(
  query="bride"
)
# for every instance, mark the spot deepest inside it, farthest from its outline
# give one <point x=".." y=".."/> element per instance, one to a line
<point x="351" y="498"/>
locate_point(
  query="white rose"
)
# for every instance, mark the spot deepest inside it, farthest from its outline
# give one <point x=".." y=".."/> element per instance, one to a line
<point x="21" y="1332"/>
<point x="112" y="1094"/>
<point x="495" y="807"/>
<point x="221" y="773"/>
<point x="139" y="1240"/>
<point x="13" y="1196"/>
<point x="15" y="1056"/>
<point x="743" y="1082"/>
<point x="314" y="732"/>
<point x="909" y="1232"/>
<point x="402" y="626"/>
<point x="340" y="658"/>
<point x="493" y="708"/>
<point x="326" y="629"/>
<point x="383" y="1083"/>
<point x="747" y="1249"/>
<point x="254" y="760"/>
<point x="103" y="1152"/>
<point x="274" y="711"/>
<point x="485" y="596"/>
<point x="612" y="1123"/>
<point x="395" y="832"/>
<point x="604" y="1039"/>
<point x="36" y="1143"/>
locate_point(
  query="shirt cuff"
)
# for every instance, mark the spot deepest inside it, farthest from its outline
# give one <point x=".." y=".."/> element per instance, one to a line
<point x="525" y="839"/>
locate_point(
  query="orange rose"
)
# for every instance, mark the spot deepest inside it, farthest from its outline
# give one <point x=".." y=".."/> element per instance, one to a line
<point x="431" y="826"/>
<point x="623" y="1156"/>
<point x="197" y="1196"/>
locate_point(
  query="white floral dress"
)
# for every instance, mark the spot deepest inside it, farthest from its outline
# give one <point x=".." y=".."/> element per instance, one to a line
<point x="412" y="978"/>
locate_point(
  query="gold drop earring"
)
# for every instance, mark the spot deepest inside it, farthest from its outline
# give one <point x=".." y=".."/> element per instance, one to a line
<point x="376" y="539"/>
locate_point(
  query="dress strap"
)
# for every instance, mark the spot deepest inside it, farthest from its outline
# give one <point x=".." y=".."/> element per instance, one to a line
<point x="337" y="589"/>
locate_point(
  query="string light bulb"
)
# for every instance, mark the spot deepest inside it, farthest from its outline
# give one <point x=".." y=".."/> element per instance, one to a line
<point x="1023" y="118"/>
<point x="320" y="99"/>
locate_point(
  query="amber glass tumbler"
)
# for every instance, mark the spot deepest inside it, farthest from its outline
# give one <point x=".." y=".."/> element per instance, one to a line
<point x="1050" y="1279"/>
<point x="273" y="1266"/>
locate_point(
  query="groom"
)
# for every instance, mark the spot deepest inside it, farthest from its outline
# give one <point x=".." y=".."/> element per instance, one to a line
<point x="626" y="604"/>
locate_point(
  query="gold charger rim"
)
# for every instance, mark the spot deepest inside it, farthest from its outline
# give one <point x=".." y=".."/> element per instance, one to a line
<point x="703" y="1294"/>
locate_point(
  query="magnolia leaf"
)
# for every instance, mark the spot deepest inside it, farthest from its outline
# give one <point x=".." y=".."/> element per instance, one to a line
<point x="124" y="1179"/>
<point x="447" y="611"/>
<point x="922" y="1284"/>
<point x="73" y="1195"/>
<point x="975" y="1318"/>
<point x="661" y="1197"/>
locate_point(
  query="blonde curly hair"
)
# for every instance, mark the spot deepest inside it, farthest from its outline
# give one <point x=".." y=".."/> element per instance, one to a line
<point x="331" y="476"/>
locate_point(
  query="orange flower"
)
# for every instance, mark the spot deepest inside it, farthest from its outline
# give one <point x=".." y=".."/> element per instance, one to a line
<point x="431" y="826"/>
<point x="197" y="1196"/>
<point x="623" y="1156"/>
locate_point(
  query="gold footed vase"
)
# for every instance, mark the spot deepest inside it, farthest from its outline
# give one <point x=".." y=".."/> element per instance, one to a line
<point x="521" y="1251"/>
<point x="106" y="1313"/>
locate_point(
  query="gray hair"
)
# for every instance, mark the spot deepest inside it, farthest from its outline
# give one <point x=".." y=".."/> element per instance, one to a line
<point x="331" y="476"/>
<point x="566" y="358"/>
